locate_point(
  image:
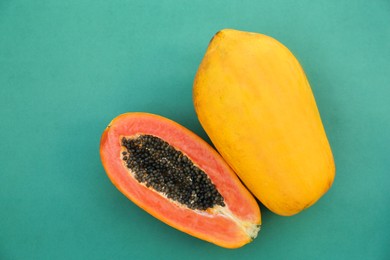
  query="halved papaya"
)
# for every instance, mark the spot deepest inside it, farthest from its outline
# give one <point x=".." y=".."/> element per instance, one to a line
<point x="178" y="178"/>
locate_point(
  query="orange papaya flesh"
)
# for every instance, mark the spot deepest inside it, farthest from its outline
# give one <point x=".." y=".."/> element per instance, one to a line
<point x="178" y="178"/>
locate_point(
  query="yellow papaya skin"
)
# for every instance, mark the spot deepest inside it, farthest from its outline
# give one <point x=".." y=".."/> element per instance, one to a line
<point x="254" y="101"/>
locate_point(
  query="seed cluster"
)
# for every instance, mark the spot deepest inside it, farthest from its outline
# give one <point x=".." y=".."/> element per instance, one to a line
<point x="159" y="165"/>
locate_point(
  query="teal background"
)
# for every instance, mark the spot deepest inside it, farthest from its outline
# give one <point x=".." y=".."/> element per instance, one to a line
<point x="68" y="67"/>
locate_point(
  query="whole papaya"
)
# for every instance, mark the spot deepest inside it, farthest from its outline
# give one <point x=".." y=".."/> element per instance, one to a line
<point x="255" y="103"/>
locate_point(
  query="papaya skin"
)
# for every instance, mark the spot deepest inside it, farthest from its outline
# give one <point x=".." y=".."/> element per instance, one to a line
<point x="255" y="103"/>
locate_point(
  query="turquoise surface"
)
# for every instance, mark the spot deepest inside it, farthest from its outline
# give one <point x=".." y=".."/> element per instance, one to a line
<point x="68" y="67"/>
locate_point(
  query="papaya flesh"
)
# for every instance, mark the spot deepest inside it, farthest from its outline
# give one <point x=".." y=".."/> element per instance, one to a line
<point x="255" y="103"/>
<point x="178" y="178"/>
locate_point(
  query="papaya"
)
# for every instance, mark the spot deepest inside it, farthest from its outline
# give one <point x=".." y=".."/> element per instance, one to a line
<point x="254" y="101"/>
<point x="178" y="178"/>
